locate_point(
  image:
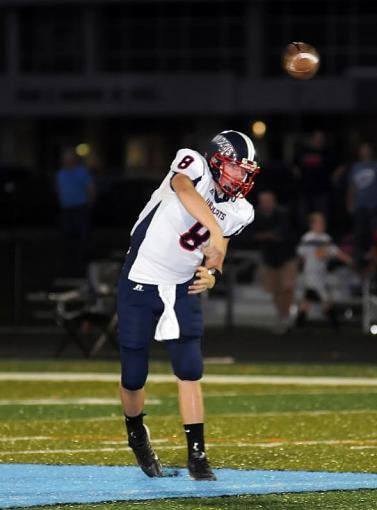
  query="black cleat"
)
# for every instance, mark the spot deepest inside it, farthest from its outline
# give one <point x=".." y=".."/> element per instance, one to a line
<point x="198" y="467"/>
<point x="145" y="456"/>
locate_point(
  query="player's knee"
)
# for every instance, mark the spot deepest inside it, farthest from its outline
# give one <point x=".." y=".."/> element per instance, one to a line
<point x="132" y="384"/>
<point x="189" y="373"/>
<point x="186" y="359"/>
<point x="134" y="368"/>
<point x="132" y="378"/>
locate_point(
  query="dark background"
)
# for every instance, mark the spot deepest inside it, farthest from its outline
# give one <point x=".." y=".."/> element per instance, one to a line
<point x="136" y="80"/>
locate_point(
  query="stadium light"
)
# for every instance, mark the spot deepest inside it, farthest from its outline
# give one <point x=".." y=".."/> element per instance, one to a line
<point x="259" y="128"/>
<point x="373" y="329"/>
<point x="82" y="149"/>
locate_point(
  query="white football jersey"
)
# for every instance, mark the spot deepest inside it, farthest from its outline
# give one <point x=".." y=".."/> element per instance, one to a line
<point x="166" y="241"/>
<point x="316" y="249"/>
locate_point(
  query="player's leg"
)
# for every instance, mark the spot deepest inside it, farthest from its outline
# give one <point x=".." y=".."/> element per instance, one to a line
<point x="332" y="315"/>
<point x="134" y="375"/>
<point x="285" y="292"/>
<point x="132" y="401"/>
<point x="190" y="401"/>
<point x="270" y="282"/>
<point x="329" y="308"/>
<point x="303" y="309"/>
<point x="186" y="358"/>
<point x="135" y="328"/>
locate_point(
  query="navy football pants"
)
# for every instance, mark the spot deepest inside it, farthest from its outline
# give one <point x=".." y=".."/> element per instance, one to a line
<point x="139" y="308"/>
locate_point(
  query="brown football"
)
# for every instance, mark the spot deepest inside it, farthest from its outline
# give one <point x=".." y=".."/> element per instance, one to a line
<point x="301" y="60"/>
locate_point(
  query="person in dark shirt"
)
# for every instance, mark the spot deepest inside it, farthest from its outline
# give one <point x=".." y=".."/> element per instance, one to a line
<point x="75" y="189"/>
<point x="274" y="235"/>
<point x="313" y="166"/>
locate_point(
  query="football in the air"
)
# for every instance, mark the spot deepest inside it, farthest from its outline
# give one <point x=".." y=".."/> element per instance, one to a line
<point x="301" y="60"/>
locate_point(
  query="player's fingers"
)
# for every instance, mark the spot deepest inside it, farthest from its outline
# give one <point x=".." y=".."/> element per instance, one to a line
<point x="197" y="290"/>
<point x="202" y="274"/>
<point x="201" y="271"/>
<point x="206" y="280"/>
<point x="197" y="283"/>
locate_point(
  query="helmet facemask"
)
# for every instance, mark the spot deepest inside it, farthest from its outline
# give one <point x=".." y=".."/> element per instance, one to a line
<point x="235" y="178"/>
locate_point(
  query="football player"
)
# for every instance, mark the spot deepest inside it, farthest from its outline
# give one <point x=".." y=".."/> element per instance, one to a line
<point x="177" y="248"/>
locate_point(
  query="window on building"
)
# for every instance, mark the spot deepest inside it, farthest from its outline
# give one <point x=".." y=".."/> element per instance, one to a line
<point x="145" y="156"/>
<point x="52" y="39"/>
<point x="2" y="42"/>
<point x="187" y="37"/>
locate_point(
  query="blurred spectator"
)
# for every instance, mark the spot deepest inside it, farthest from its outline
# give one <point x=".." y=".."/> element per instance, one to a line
<point x="362" y="202"/>
<point x="273" y="232"/>
<point x="313" y="166"/>
<point x="76" y="193"/>
<point x="339" y="220"/>
<point x="315" y="250"/>
<point x="277" y="175"/>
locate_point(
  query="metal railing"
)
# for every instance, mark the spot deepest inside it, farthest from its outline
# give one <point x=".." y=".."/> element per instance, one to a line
<point x="369" y="301"/>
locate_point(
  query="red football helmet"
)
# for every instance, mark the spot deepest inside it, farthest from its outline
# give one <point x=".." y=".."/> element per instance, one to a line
<point x="231" y="161"/>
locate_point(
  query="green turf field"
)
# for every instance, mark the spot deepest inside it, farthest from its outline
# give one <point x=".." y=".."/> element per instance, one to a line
<point x="261" y="426"/>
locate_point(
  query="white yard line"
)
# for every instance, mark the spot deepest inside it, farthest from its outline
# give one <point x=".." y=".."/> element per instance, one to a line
<point x="115" y="401"/>
<point x="151" y="401"/>
<point x="24" y="438"/>
<point x="252" y="414"/>
<point x="318" y="412"/>
<point x="266" y="414"/>
<point x="362" y="447"/>
<point x="211" y="378"/>
<point x="69" y="401"/>
<point x="14" y="439"/>
<point x="354" y="444"/>
<point x="66" y="450"/>
<point x="239" y="415"/>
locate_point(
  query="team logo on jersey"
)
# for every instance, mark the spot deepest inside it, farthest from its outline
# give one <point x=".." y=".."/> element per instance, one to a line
<point x="215" y="211"/>
<point x="138" y="287"/>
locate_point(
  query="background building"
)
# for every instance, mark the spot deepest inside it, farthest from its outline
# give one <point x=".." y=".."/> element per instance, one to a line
<point x="128" y="82"/>
<point x="134" y="79"/>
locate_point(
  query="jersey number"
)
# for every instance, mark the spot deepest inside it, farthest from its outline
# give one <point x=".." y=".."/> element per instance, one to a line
<point x="185" y="162"/>
<point x="195" y="236"/>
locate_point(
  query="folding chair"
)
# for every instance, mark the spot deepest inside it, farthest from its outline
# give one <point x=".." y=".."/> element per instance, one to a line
<point x="88" y="313"/>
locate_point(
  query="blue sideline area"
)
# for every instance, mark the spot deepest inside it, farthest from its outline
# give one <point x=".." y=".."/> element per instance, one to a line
<point x="34" y="484"/>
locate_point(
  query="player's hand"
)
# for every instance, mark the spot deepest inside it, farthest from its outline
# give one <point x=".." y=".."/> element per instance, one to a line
<point x="215" y="251"/>
<point x="204" y="281"/>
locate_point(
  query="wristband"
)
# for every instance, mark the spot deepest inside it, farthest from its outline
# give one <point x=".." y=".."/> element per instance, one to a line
<point x="215" y="272"/>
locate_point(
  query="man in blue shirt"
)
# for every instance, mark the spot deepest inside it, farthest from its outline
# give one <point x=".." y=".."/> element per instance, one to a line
<point x="75" y="188"/>
<point x="362" y="201"/>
